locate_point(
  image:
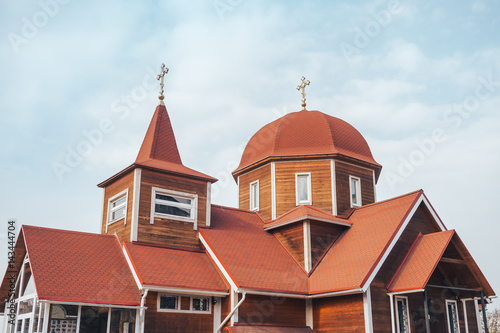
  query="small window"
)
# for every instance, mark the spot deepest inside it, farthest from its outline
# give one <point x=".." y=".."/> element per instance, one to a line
<point x="403" y="317"/>
<point x="303" y="189"/>
<point x="452" y="311"/>
<point x="168" y="302"/>
<point x="117" y="207"/>
<point x="201" y="304"/>
<point x="254" y="196"/>
<point x="355" y="184"/>
<point x="174" y="205"/>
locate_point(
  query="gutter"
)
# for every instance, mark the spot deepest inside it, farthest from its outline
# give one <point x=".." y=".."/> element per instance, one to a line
<point x="232" y="312"/>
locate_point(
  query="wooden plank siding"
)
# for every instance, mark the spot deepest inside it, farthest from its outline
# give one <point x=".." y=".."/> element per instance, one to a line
<point x="339" y="314"/>
<point x="258" y="309"/>
<point x="421" y="221"/>
<point x="263" y="175"/>
<point x="343" y="191"/>
<point x="322" y="236"/>
<point x="320" y="182"/>
<point x="167" y="231"/>
<point x="120" y="227"/>
<point x="292" y="238"/>
<point x="159" y="322"/>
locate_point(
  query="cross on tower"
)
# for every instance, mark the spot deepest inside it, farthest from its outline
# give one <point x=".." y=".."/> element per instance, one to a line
<point x="164" y="70"/>
<point x="303" y="87"/>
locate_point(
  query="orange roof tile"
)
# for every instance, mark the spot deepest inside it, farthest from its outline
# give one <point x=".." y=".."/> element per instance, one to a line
<point x="174" y="268"/>
<point x="79" y="267"/>
<point x="303" y="212"/>
<point x="353" y="257"/>
<point x="306" y="133"/>
<point x="250" y="328"/>
<point x="421" y="261"/>
<point x="254" y="258"/>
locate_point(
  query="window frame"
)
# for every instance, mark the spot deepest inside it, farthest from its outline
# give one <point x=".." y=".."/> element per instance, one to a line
<point x="179" y="301"/>
<point x="309" y="189"/>
<point x="358" y="192"/>
<point x="448" y="301"/>
<point x="254" y="200"/>
<point x="405" y="298"/>
<point x="194" y="205"/>
<point x="111" y="210"/>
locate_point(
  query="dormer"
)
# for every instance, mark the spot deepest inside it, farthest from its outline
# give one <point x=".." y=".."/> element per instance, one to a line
<point x="157" y="199"/>
<point x="306" y="158"/>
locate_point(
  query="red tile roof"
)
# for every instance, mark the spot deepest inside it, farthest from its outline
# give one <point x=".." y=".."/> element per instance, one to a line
<point x="254" y="258"/>
<point x="354" y="256"/>
<point x="79" y="267"/>
<point x="306" y="133"/>
<point x="249" y="328"/>
<point x="174" y="268"/>
<point x="303" y="212"/>
<point x="421" y="261"/>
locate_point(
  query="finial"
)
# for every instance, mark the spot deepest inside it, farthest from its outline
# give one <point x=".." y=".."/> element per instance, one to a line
<point x="303" y="87"/>
<point x="164" y="70"/>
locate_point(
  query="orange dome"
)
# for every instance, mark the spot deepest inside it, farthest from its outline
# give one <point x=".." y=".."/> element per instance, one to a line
<point x="306" y="133"/>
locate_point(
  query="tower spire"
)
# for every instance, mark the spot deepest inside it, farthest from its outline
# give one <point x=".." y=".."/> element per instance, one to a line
<point x="164" y="70"/>
<point x="303" y="87"/>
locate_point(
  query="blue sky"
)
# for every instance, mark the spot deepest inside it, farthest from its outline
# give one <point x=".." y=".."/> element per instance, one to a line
<point x="419" y="79"/>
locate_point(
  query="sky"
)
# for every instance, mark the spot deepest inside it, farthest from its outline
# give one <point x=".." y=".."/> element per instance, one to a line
<point x="419" y="79"/>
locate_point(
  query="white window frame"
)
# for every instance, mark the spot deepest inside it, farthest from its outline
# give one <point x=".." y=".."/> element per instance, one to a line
<point x="114" y="198"/>
<point x="448" y="315"/>
<point x="179" y="301"/>
<point x="194" y="205"/>
<point x="396" y="298"/>
<point x="309" y="189"/>
<point x="358" y="191"/>
<point x="254" y="200"/>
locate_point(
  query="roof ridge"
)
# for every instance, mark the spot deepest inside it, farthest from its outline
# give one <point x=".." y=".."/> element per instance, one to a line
<point x="27" y="226"/>
<point x="233" y="208"/>
<point x="390" y="199"/>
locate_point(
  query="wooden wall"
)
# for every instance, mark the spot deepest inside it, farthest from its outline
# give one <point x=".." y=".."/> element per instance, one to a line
<point x="421" y="222"/>
<point x="292" y="238"/>
<point x="159" y="322"/>
<point x="272" y="310"/>
<point x="339" y="314"/>
<point x="322" y="236"/>
<point x="342" y="173"/>
<point x="263" y="175"/>
<point x="121" y="228"/>
<point x="320" y="181"/>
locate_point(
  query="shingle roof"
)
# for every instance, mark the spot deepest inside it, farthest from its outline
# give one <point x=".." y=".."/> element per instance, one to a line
<point x="306" y="133"/>
<point x="352" y="258"/>
<point x="79" y="267"/>
<point x="175" y="268"/>
<point x="247" y="328"/>
<point x="421" y="261"/>
<point x="303" y="212"/>
<point x="254" y="258"/>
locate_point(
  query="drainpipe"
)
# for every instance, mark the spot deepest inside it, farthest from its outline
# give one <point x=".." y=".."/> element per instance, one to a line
<point x="232" y="312"/>
<point x="143" y="311"/>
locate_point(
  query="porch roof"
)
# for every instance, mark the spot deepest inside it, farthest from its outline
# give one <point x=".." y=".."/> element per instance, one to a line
<point x="269" y="328"/>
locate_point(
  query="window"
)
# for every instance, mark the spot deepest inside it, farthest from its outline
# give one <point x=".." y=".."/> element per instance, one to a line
<point x="117" y="207"/>
<point x="451" y="309"/>
<point x="183" y="304"/>
<point x="201" y="304"/>
<point x="303" y="189"/>
<point x="254" y="196"/>
<point x="169" y="302"/>
<point x="355" y="185"/>
<point x="403" y="317"/>
<point x="174" y="205"/>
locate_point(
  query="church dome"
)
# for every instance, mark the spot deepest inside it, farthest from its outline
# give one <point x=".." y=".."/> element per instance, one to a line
<point x="306" y="134"/>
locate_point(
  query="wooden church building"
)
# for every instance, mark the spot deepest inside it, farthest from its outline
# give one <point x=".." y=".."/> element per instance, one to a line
<point x="309" y="249"/>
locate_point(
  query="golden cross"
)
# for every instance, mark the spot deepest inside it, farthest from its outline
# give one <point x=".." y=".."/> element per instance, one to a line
<point x="303" y="87"/>
<point x="164" y="70"/>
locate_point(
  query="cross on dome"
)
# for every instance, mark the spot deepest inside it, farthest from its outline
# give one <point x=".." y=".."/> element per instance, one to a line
<point x="164" y="70"/>
<point x="303" y="87"/>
